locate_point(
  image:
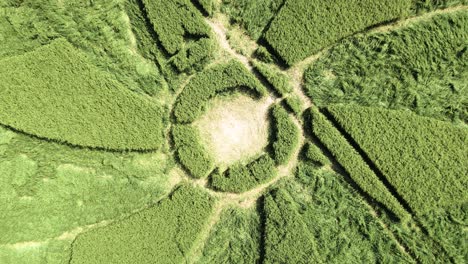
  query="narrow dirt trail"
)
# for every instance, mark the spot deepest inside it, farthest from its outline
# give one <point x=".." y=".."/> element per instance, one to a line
<point x="197" y="250"/>
<point x="67" y="235"/>
<point x="249" y="198"/>
<point x="221" y="36"/>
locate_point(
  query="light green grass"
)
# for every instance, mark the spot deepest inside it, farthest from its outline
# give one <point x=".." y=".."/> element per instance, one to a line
<point x="47" y="252"/>
<point x="48" y="189"/>
<point x="287" y="238"/>
<point x="100" y="28"/>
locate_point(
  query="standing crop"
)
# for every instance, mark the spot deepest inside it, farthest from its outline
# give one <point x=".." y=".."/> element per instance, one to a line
<point x="55" y="92"/>
<point x="304" y="27"/>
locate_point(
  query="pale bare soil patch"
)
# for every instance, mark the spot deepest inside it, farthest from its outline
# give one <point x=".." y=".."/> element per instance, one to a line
<point x="235" y="128"/>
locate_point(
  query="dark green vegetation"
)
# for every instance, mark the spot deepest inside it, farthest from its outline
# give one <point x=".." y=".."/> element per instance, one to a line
<point x="183" y="35"/>
<point x="422" y="67"/>
<point x="191" y="154"/>
<point x="253" y="16"/>
<point x="314" y="154"/>
<point x="294" y="104"/>
<point x="411" y="151"/>
<point x="164" y="232"/>
<point x="242" y="246"/>
<point x="79" y="104"/>
<point x="262" y="54"/>
<point x="421" y="157"/>
<point x="47" y="189"/>
<point x="242" y="177"/>
<point x="286" y="135"/>
<point x="194" y="56"/>
<point x="278" y="80"/>
<point x="173" y="21"/>
<point x="193" y="100"/>
<point x="209" y="6"/>
<point x="353" y="163"/>
<point x="325" y="22"/>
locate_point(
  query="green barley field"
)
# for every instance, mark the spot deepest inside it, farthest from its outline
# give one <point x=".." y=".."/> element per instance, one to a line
<point x="233" y="131"/>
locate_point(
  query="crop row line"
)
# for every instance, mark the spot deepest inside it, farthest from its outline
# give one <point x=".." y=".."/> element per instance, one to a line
<point x="392" y="190"/>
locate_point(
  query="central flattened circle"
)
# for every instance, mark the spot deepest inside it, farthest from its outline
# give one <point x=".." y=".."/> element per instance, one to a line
<point x="236" y="128"/>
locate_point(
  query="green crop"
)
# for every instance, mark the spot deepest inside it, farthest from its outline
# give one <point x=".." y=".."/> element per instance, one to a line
<point x="194" y="56"/>
<point x="209" y="6"/>
<point x="164" y="232"/>
<point x="304" y="27"/>
<point x="191" y="153"/>
<point x="240" y="177"/>
<point x="314" y="154"/>
<point x="287" y="238"/>
<point x="354" y="164"/>
<point x="422" y="67"/>
<point x="90" y="168"/>
<point x="422" y="6"/>
<point x="343" y="228"/>
<point x="286" y="135"/>
<point x="100" y="28"/>
<point x="173" y="20"/>
<point x="445" y="228"/>
<point x="422" y="157"/>
<point x="48" y="188"/>
<point x="53" y="251"/>
<point x="263" y="55"/>
<point x="79" y="104"/>
<point x="253" y="16"/>
<point x="226" y="246"/>
<point x="193" y="100"/>
<point x="278" y="80"/>
<point x="294" y="103"/>
<point x="182" y="33"/>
